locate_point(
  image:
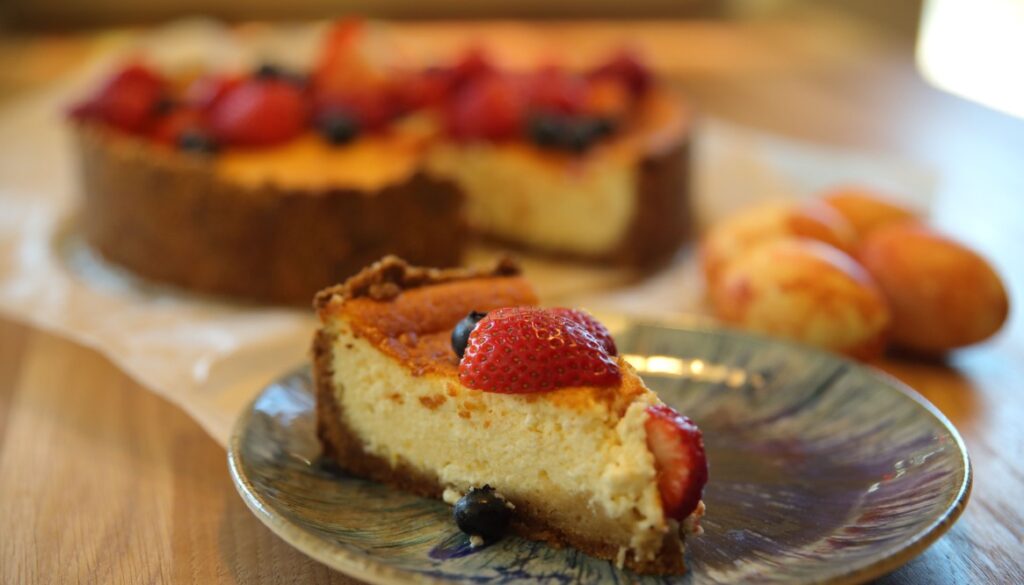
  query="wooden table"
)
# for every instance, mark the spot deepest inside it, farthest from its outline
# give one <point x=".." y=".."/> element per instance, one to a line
<point x="101" y="481"/>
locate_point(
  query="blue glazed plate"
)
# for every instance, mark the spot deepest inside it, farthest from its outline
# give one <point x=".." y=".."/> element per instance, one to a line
<point x="822" y="471"/>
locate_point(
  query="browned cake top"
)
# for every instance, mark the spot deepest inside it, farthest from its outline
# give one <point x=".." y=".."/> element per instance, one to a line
<point x="409" y="312"/>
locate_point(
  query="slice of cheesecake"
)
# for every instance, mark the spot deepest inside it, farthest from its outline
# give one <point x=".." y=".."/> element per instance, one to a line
<point x="586" y="454"/>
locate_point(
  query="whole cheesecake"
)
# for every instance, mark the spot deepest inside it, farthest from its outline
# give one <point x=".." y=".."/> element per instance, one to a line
<point x="270" y="185"/>
<point x="582" y="452"/>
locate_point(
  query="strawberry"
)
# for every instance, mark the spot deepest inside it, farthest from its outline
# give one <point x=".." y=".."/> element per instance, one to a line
<point x="592" y="325"/>
<point x="554" y="90"/>
<point x="627" y="67"/>
<point x="355" y="56"/>
<point x="168" y="128"/>
<point x="372" y="110"/>
<point x="679" y="459"/>
<point x="489" y="108"/>
<point x="526" y="349"/>
<point x="473" y="64"/>
<point x="423" y="89"/>
<point x="127" y="100"/>
<point x="259" y="112"/>
<point x="205" y="92"/>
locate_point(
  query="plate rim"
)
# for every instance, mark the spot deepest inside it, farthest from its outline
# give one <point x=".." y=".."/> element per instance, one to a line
<point x="379" y="574"/>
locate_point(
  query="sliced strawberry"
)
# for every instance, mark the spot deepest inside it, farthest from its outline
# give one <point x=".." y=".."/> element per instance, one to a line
<point x="489" y="108"/>
<point x="127" y="100"/>
<point x="372" y="110"/>
<point x="259" y="112"/>
<point x="627" y="66"/>
<point x="527" y="349"/>
<point x="591" y="325"/>
<point x="355" y="56"/>
<point x="422" y="89"/>
<point x="205" y="92"/>
<point x="473" y="64"/>
<point x="679" y="459"/>
<point x="168" y="128"/>
<point x="555" y="90"/>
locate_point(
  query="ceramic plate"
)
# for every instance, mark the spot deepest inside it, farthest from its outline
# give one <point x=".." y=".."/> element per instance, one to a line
<point x="821" y="471"/>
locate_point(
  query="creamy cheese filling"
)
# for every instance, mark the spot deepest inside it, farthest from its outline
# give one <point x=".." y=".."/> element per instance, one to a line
<point x="582" y="467"/>
<point x="576" y="206"/>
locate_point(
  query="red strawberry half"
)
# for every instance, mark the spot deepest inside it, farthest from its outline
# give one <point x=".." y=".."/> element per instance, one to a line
<point x="168" y="128"/>
<point x="592" y="325"/>
<point x="489" y="108"/>
<point x="127" y="100"/>
<point x="678" y="458"/>
<point x="527" y="349"/>
<point x="259" y="112"/>
<point x="207" y="91"/>
<point x="627" y="67"/>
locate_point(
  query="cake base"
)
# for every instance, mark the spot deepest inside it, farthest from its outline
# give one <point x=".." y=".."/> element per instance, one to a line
<point x="168" y="217"/>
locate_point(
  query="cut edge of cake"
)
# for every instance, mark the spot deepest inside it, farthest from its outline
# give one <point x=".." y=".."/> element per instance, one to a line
<point x="384" y="281"/>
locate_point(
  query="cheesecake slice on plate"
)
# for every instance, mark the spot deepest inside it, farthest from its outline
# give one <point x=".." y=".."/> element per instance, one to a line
<point x="453" y="384"/>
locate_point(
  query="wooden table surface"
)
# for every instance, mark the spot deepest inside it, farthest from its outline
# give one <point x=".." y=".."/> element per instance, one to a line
<point x="103" y="482"/>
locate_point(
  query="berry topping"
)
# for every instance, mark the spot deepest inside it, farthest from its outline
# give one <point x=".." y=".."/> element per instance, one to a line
<point x="197" y="141"/>
<point x="460" y="335"/>
<point x="628" y="68"/>
<point x="489" y="108"/>
<point x="165" y="105"/>
<point x="473" y="64"/>
<point x="369" y="110"/>
<point x="337" y="127"/>
<point x="170" y="126"/>
<point x="423" y="89"/>
<point x="679" y="459"/>
<point x="207" y="91"/>
<point x="575" y="134"/>
<point x="355" y="56"/>
<point x="272" y="71"/>
<point x="128" y="100"/>
<point x="554" y="90"/>
<point x="259" y="112"/>
<point x="527" y="349"/>
<point x="483" y="512"/>
<point x="592" y="325"/>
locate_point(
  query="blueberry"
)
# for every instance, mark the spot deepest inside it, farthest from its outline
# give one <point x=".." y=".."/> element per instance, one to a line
<point x="271" y="71"/>
<point x="546" y="130"/>
<point x="585" y="132"/>
<point x="460" y="335"/>
<point x="198" y="142"/>
<point x="268" y="71"/>
<point x="604" y="126"/>
<point x="483" y="512"/>
<point x="164" y="105"/>
<point x="575" y="134"/>
<point x="338" y="128"/>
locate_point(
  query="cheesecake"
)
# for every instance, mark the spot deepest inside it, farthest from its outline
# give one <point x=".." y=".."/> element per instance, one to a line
<point x="270" y="184"/>
<point x="581" y="452"/>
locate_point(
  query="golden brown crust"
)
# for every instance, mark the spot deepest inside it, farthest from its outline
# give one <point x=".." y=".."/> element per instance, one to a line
<point x="167" y="216"/>
<point x="386" y="278"/>
<point x="341" y="445"/>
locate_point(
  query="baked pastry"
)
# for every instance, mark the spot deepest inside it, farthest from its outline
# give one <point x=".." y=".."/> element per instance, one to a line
<point x="271" y="184"/>
<point x="570" y="436"/>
